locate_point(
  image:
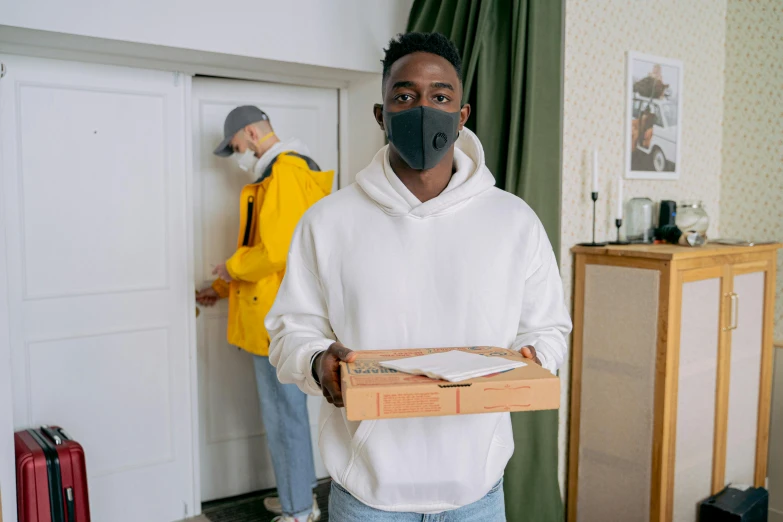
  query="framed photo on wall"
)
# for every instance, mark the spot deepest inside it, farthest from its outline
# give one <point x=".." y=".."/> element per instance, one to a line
<point x="653" y="130"/>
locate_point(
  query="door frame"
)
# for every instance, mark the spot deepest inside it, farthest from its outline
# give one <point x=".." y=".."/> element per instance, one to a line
<point x="342" y="159"/>
<point x="195" y="460"/>
<point x="350" y="86"/>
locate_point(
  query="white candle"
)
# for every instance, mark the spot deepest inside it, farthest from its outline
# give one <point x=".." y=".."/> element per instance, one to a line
<point x="620" y="197"/>
<point x="595" y="170"/>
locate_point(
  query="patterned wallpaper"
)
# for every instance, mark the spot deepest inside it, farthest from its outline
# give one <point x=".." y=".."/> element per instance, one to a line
<point x="752" y="184"/>
<point x="598" y="33"/>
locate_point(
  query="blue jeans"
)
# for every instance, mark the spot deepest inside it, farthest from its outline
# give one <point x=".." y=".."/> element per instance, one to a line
<point x="343" y="507"/>
<point x="284" y="412"/>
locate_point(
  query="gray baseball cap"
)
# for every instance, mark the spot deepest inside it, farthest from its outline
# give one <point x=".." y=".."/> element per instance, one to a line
<point x="237" y="120"/>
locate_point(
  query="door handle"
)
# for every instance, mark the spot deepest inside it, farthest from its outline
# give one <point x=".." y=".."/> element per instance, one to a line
<point x="734" y="311"/>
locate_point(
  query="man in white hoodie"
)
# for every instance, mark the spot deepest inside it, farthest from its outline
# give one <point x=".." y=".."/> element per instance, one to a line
<point x="422" y="251"/>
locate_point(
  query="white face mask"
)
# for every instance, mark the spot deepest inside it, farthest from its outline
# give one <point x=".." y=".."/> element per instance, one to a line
<point x="246" y="160"/>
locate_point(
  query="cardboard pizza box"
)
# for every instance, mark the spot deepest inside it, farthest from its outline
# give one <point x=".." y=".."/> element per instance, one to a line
<point x="371" y="391"/>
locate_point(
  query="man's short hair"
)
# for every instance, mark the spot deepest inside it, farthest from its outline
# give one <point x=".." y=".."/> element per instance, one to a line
<point x="434" y="43"/>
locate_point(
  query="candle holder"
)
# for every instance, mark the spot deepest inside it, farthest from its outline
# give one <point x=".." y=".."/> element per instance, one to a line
<point x="619" y="223"/>
<point x="594" y="197"/>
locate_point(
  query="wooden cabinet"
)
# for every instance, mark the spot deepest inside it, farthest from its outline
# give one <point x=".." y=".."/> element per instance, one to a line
<point x="671" y="378"/>
<point x="776" y="440"/>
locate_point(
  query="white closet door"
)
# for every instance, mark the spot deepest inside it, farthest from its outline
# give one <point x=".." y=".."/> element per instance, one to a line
<point x="233" y="450"/>
<point x="698" y="365"/>
<point x="93" y="172"/>
<point x="746" y="344"/>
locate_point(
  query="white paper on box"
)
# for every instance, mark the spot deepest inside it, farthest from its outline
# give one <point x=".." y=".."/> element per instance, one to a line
<point x="452" y="366"/>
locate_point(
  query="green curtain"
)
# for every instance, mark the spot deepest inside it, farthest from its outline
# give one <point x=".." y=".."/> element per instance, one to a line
<point x="512" y="74"/>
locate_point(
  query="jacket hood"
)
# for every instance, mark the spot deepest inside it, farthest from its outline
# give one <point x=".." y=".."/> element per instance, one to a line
<point x="324" y="179"/>
<point x="294" y="144"/>
<point x="471" y="178"/>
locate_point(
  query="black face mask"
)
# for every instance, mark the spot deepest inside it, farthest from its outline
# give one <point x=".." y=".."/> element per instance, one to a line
<point x="422" y="135"/>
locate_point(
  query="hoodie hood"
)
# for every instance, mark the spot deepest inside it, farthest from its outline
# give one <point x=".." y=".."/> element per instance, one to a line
<point x="471" y="178"/>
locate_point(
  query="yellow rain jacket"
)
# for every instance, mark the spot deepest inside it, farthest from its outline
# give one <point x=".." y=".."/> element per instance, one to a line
<point x="269" y="212"/>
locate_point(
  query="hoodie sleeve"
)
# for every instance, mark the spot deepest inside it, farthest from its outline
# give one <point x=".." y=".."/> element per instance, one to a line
<point x="544" y="323"/>
<point x="298" y="323"/>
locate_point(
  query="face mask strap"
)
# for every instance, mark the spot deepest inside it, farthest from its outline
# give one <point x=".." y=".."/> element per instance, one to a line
<point x="265" y="137"/>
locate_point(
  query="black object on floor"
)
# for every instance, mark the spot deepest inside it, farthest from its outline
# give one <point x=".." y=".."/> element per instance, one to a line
<point x="733" y="505"/>
<point x="250" y="507"/>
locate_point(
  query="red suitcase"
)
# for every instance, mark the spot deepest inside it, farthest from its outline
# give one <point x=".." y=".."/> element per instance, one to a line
<point x="51" y="477"/>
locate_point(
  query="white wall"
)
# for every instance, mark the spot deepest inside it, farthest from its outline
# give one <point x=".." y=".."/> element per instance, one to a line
<point x="752" y="133"/>
<point x="365" y="136"/>
<point x="597" y="36"/>
<point x="343" y="34"/>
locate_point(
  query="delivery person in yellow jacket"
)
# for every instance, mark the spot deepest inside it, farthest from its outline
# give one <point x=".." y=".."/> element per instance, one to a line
<point x="287" y="183"/>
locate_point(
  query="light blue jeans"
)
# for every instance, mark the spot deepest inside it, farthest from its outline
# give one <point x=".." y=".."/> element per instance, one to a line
<point x="343" y="507"/>
<point x="284" y="412"/>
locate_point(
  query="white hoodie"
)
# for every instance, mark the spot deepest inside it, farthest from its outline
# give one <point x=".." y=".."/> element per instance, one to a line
<point x="377" y="269"/>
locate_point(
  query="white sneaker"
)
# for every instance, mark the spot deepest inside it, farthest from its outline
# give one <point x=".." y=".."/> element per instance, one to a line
<point x="272" y="504"/>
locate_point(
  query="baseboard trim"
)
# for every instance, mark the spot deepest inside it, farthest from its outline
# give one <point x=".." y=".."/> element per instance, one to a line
<point x="775" y="515"/>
